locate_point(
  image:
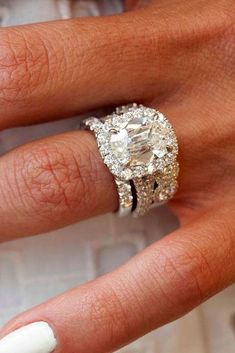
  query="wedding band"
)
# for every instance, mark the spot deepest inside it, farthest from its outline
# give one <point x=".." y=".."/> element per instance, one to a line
<point x="139" y="147"/>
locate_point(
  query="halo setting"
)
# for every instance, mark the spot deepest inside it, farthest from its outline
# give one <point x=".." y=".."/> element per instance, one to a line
<point x="135" y="141"/>
<point x="138" y="143"/>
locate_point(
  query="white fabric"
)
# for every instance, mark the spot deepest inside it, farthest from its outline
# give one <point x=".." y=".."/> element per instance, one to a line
<point x="35" y="269"/>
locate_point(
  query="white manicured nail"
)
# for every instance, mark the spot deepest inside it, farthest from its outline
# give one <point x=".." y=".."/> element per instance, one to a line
<point x="37" y="337"/>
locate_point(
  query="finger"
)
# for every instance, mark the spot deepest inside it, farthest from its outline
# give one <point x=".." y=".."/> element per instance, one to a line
<point x="159" y="285"/>
<point x="53" y="182"/>
<point x="130" y="4"/>
<point x="60" y="68"/>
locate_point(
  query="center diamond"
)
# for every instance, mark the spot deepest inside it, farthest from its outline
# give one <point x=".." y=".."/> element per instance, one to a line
<point x="140" y="142"/>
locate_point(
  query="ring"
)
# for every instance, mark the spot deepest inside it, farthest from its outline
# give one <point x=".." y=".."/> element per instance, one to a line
<point x="140" y="148"/>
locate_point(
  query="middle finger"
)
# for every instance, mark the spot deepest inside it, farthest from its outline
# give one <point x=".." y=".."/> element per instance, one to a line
<point x="56" y="69"/>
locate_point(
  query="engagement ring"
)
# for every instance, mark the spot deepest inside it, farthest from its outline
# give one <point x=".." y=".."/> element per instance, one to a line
<point x="139" y="147"/>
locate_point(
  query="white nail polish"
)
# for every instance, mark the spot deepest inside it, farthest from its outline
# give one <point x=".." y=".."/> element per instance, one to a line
<point x="37" y="337"/>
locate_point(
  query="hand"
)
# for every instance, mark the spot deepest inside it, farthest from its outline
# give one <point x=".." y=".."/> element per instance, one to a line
<point x="178" y="56"/>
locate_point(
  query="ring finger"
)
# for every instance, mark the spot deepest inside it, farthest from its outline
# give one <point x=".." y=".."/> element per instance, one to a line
<point x="52" y="70"/>
<point x="52" y="183"/>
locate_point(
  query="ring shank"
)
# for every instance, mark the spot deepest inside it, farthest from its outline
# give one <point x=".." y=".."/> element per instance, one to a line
<point x="151" y="191"/>
<point x="125" y="197"/>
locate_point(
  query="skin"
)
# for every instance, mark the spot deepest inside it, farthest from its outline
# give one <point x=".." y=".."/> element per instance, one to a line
<point x="178" y="56"/>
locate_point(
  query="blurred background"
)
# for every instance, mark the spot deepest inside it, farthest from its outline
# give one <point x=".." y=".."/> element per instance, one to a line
<point x="35" y="269"/>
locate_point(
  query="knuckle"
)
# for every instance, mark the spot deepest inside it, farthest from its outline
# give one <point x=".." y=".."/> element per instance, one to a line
<point x="25" y="63"/>
<point x="48" y="179"/>
<point x="51" y="180"/>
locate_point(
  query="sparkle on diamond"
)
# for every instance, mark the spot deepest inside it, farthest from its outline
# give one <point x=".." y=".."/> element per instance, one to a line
<point x="140" y="142"/>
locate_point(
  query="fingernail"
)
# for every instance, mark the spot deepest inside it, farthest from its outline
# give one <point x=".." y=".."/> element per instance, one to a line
<point x="37" y="337"/>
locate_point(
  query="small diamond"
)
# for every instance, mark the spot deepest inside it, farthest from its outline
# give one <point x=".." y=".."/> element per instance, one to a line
<point x="126" y="174"/>
<point x="161" y="117"/>
<point x="104" y="149"/>
<point x="116" y="169"/>
<point x="108" y="159"/>
<point x="93" y="123"/>
<point x="151" y="169"/>
<point x="102" y="138"/>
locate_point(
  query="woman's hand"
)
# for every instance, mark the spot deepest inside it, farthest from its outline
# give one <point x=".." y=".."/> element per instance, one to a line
<point x="178" y="56"/>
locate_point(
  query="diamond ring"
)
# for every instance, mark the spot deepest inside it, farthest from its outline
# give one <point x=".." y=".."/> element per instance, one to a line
<point x="139" y="147"/>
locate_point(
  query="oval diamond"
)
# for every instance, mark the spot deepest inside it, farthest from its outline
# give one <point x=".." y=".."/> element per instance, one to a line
<point x="141" y="142"/>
